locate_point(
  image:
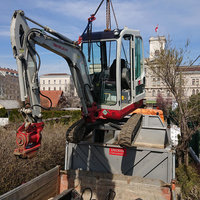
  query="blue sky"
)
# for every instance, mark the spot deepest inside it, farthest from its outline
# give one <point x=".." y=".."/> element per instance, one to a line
<point x="177" y="18"/>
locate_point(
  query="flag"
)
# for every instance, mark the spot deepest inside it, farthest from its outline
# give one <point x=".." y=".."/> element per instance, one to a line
<point x="156" y="29"/>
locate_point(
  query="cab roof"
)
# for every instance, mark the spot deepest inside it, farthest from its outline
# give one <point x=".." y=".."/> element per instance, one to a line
<point x="97" y="36"/>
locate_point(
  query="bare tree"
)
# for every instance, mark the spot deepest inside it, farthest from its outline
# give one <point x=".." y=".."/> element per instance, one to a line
<point x="167" y="65"/>
<point x="163" y="104"/>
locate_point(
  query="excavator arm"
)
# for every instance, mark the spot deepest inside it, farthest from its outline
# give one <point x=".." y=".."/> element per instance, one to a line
<point x="23" y="40"/>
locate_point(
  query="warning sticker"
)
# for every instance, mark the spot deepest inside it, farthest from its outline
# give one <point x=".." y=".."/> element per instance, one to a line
<point x="117" y="151"/>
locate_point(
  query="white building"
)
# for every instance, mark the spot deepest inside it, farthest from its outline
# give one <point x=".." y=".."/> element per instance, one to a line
<point x="155" y="44"/>
<point x="155" y="86"/>
<point x="8" y="71"/>
<point x="58" y="81"/>
<point x="175" y="133"/>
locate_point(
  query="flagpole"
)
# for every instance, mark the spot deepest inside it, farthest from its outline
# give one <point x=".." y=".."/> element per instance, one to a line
<point x="156" y="30"/>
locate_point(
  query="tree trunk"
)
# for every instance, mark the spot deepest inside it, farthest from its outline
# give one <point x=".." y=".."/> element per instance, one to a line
<point x="180" y="160"/>
<point x="179" y="155"/>
<point x="186" y="156"/>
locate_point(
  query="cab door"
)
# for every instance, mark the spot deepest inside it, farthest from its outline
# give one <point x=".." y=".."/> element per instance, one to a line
<point x="132" y="73"/>
<point x="126" y="64"/>
<point x="139" y="76"/>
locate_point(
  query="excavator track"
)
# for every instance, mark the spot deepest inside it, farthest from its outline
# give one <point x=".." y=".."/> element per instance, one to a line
<point x="129" y="130"/>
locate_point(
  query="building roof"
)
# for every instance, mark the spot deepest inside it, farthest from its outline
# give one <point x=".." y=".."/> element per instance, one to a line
<point x="194" y="68"/>
<point x="54" y="95"/>
<point x="8" y="70"/>
<point x="157" y="38"/>
<point x="190" y="70"/>
<point x="55" y="74"/>
<point x="9" y="104"/>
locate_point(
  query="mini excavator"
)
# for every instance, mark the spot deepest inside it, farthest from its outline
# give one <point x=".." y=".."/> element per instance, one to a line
<point x="107" y="69"/>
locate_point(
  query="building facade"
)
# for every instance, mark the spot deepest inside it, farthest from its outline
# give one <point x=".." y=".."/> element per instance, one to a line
<point x="58" y="81"/>
<point x="155" y="86"/>
<point x="192" y="80"/>
<point x="8" y="71"/>
<point x="9" y="84"/>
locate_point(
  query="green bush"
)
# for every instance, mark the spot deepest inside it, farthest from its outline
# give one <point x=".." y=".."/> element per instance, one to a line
<point x="3" y="112"/>
<point x="73" y="115"/>
<point x="15" y="116"/>
<point x="189" y="181"/>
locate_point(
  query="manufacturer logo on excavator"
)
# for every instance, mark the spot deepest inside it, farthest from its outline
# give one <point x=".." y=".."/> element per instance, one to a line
<point x="117" y="151"/>
<point x="60" y="47"/>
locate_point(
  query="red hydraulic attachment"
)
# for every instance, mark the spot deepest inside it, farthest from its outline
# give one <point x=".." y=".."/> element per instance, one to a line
<point x="28" y="139"/>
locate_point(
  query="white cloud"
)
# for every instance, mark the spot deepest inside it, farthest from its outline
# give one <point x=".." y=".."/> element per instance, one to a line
<point x="5" y="31"/>
<point x="77" y="9"/>
<point x="8" y="62"/>
<point x="172" y="16"/>
<point x="177" y="18"/>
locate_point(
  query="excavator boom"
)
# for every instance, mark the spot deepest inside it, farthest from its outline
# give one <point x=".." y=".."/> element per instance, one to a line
<point x="23" y="40"/>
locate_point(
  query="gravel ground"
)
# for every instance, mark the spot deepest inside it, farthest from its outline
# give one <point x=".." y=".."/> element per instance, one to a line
<point x="15" y="171"/>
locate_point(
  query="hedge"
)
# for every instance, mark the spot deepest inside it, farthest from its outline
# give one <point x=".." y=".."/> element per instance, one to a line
<point x="3" y="113"/>
<point x="16" y="116"/>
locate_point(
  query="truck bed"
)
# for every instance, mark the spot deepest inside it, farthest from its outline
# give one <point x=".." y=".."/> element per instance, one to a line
<point x="55" y="185"/>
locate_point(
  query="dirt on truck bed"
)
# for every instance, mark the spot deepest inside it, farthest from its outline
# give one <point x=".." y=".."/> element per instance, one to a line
<point x="15" y="171"/>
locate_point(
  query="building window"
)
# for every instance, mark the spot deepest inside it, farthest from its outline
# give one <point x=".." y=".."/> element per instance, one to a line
<point x="156" y="52"/>
<point x="197" y="81"/>
<point x="154" y="81"/>
<point x="65" y="89"/>
<point x="59" y="88"/>
<point x="54" y="88"/>
<point x="54" y="81"/>
<point x="48" y="81"/>
<point x="158" y="81"/>
<point x="158" y="70"/>
<point x="59" y="81"/>
<point x="193" y="81"/>
<point x="168" y="93"/>
<point x="43" y="81"/>
<point x="43" y="88"/>
<point x="153" y="93"/>
<point x="197" y="91"/>
<point x="49" y="88"/>
<point x="193" y="91"/>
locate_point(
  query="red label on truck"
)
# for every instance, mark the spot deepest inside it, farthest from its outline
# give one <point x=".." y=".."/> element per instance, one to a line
<point x="117" y="151"/>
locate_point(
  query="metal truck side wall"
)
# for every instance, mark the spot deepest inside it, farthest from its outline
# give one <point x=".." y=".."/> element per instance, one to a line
<point x="113" y="159"/>
<point x="42" y="187"/>
<point x="55" y="185"/>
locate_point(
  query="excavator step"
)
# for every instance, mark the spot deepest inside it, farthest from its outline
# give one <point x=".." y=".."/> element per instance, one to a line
<point x="129" y="130"/>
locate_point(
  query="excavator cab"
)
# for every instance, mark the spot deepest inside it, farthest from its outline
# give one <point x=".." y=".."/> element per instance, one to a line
<point x="116" y="68"/>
